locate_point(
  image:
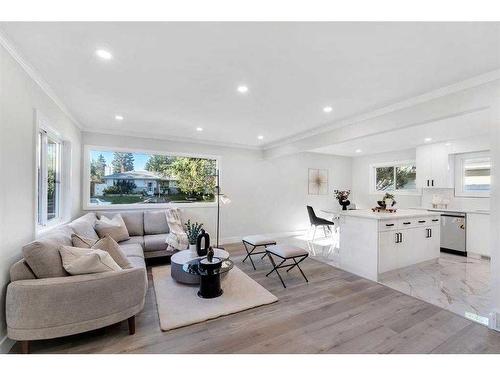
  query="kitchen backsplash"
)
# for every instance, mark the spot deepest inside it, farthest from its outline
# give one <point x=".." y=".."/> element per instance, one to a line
<point x="456" y="203"/>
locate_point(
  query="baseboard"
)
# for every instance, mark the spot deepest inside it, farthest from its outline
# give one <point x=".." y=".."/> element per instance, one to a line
<point x="237" y="239"/>
<point x="6" y="344"/>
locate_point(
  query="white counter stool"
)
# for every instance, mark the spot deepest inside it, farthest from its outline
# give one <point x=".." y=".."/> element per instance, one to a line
<point x="252" y="243"/>
<point x="285" y="253"/>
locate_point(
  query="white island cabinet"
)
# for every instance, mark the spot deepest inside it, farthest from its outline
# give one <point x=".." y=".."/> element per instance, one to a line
<point x="374" y="243"/>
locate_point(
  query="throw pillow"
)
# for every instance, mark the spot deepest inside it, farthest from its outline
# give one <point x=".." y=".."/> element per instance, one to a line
<point x="80" y="261"/>
<point x="115" y="228"/>
<point x="111" y="246"/>
<point x="80" y="241"/>
<point x="84" y="226"/>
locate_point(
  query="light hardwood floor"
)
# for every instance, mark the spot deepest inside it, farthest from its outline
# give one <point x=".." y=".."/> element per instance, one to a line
<point x="336" y="312"/>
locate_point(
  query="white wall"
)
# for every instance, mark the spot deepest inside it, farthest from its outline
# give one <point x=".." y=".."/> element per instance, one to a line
<point x="19" y="96"/>
<point x="267" y="196"/>
<point x="495" y="212"/>
<point x="361" y="179"/>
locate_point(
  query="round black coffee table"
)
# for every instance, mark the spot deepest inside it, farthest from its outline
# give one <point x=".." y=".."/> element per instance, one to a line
<point x="209" y="279"/>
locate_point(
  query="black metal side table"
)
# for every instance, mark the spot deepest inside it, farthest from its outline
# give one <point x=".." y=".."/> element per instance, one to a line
<point x="210" y="286"/>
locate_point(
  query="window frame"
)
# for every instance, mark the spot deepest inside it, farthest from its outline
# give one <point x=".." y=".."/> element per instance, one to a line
<point x="459" y="175"/>
<point x="394" y="164"/>
<point x="87" y="206"/>
<point x="43" y="132"/>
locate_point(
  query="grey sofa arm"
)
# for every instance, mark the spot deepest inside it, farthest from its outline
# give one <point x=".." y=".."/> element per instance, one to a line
<point x="53" y="307"/>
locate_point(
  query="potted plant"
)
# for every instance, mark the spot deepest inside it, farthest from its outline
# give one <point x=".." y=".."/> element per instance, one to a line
<point x="192" y="231"/>
<point x="342" y="196"/>
<point x="389" y="200"/>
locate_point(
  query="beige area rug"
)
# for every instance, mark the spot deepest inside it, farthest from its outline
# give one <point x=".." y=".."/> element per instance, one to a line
<point x="179" y="304"/>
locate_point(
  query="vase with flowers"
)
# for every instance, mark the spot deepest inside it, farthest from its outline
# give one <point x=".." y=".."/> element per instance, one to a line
<point x="343" y="197"/>
<point x="192" y="231"/>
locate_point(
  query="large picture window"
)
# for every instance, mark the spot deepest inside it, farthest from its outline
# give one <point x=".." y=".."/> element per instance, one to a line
<point x="398" y="177"/>
<point x="473" y="174"/>
<point x="133" y="178"/>
<point x="49" y="149"/>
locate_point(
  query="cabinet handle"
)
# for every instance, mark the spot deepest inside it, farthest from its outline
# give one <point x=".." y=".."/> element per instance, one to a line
<point x="432" y="182"/>
<point x="430" y="233"/>
<point x="435" y="220"/>
<point x="400" y="237"/>
<point x="389" y="225"/>
<point x="427" y="182"/>
<point x="397" y="238"/>
<point x="421" y="221"/>
<point x="407" y="223"/>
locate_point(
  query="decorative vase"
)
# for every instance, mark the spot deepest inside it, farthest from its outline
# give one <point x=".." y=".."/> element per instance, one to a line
<point x="192" y="249"/>
<point x="344" y="204"/>
<point x="205" y="238"/>
<point x="389" y="203"/>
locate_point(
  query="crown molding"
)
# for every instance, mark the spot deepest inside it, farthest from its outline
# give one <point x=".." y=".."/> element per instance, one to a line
<point x="35" y="76"/>
<point x="431" y="95"/>
<point x="166" y="137"/>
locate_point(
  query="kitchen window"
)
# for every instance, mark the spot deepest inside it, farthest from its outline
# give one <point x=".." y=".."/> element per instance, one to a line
<point x="395" y="177"/>
<point x="49" y="158"/>
<point x="473" y="174"/>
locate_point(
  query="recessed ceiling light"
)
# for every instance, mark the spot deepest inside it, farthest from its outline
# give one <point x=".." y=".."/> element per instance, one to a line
<point x="427" y="139"/>
<point x="119" y="117"/>
<point x="103" y="54"/>
<point x="198" y="129"/>
<point x="242" y="89"/>
<point x="447" y="144"/>
<point x="327" y="109"/>
<point x="358" y="151"/>
<point x="260" y="137"/>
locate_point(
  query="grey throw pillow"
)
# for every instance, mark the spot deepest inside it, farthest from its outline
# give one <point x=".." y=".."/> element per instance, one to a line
<point x="80" y="241"/>
<point x="111" y="246"/>
<point x="115" y="228"/>
<point x="80" y="261"/>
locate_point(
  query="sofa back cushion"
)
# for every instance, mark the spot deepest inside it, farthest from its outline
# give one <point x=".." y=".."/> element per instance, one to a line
<point x="134" y="221"/>
<point x="155" y="222"/>
<point x="84" y="226"/>
<point x="42" y="255"/>
<point x="114" y="227"/>
<point x="21" y="271"/>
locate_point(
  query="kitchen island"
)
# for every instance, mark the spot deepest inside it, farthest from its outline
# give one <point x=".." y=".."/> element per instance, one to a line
<point x="372" y="243"/>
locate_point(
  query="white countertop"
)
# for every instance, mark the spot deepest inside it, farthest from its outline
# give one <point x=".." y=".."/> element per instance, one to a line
<point x="401" y="213"/>
<point x="481" y="212"/>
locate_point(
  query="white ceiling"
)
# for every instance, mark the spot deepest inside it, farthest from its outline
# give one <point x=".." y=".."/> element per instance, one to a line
<point x="166" y="79"/>
<point x="467" y="126"/>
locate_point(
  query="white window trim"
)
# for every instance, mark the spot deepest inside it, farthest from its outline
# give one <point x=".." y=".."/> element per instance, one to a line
<point x="459" y="176"/>
<point x="373" y="191"/>
<point x="42" y="124"/>
<point x="94" y="207"/>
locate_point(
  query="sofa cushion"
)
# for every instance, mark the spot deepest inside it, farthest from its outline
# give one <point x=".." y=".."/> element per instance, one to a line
<point x="111" y="246"/>
<point x="154" y="242"/>
<point x="155" y="222"/>
<point x="84" y="226"/>
<point x="133" y="250"/>
<point x="21" y="271"/>
<point x="42" y="255"/>
<point x="81" y="261"/>
<point x="137" y="262"/>
<point x="80" y="241"/>
<point x="114" y="227"/>
<point x="134" y="220"/>
<point x="137" y="240"/>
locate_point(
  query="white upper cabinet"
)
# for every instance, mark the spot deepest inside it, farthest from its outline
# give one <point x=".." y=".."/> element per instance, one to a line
<point x="434" y="166"/>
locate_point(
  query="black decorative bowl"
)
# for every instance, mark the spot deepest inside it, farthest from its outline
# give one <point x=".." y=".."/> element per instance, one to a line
<point x="205" y="265"/>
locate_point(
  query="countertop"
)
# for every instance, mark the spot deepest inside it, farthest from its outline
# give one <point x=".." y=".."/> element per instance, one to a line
<point x="401" y="213"/>
<point x="481" y="212"/>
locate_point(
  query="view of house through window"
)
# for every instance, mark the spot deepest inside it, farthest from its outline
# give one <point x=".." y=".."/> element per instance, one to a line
<point x="396" y="177"/>
<point x="137" y="178"/>
<point x="474" y="174"/>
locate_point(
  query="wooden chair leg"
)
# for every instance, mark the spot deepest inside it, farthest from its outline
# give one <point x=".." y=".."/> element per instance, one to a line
<point x="25" y="347"/>
<point x="131" y="325"/>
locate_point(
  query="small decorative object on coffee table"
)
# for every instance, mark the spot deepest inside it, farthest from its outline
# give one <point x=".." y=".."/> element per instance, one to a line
<point x="210" y="273"/>
<point x="192" y="231"/>
<point x="386" y="204"/>
<point x="342" y="196"/>
<point x="205" y="238"/>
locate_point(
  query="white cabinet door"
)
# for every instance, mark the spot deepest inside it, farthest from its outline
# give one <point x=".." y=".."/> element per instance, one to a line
<point x="407" y="248"/>
<point x="434" y="167"/>
<point x="427" y="243"/>
<point x="478" y="229"/>
<point x="388" y="258"/>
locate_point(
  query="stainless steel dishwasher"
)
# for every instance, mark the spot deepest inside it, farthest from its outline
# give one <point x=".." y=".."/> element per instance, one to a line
<point x="453" y="233"/>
